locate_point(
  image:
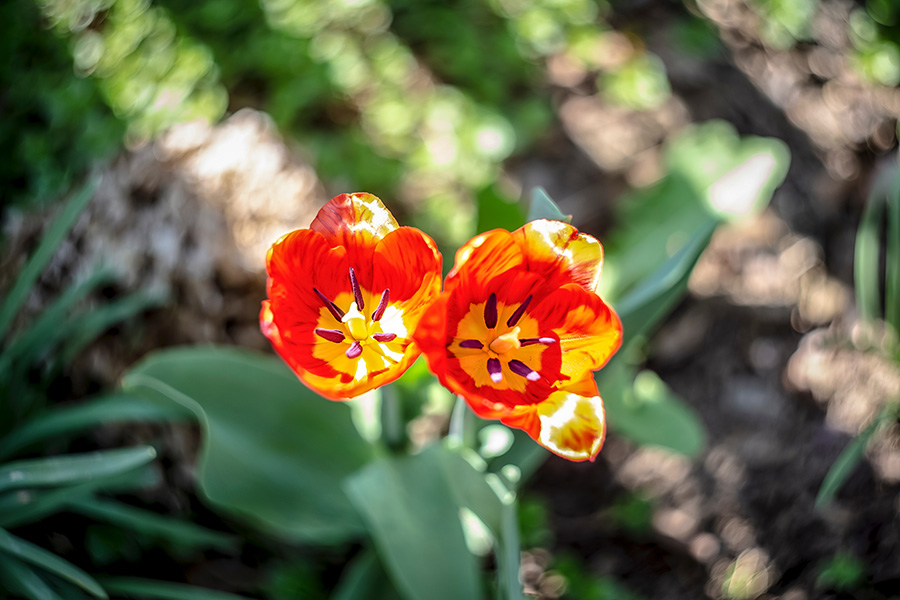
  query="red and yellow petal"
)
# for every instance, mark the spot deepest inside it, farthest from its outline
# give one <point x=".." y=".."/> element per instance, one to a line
<point x="356" y="222"/>
<point x="589" y="331"/>
<point x="570" y="422"/>
<point x="310" y="287"/>
<point x="553" y="247"/>
<point x="483" y="258"/>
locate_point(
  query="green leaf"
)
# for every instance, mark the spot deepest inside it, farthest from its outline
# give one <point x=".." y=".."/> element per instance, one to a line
<point x="21" y="507"/>
<point x="411" y="514"/>
<point x="73" y="468"/>
<point x="35" y="555"/>
<point x="735" y="176"/>
<point x="651" y="300"/>
<point x="849" y="457"/>
<point x="54" y="235"/>
<point x="43" y="334"/>
<point x="892" y="261"/>
<point x="69" y="419"/>
<point x="865" y="256"/>
<point x="644" y="409"/>
<point x="132" y="587"/>
<point x="274" y="453"/>
<point x="496" y="211"/>
<point x="542" y="206"/>
<point x="19" y="577"/>
<point x="84" y="330"/>
<point x="365" y="579"/>
<point x="182" y="533"/>
<point x="487" y="496"/>
<point x="711" y="173"/>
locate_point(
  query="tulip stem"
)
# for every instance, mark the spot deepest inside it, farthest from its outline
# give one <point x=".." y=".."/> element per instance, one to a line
<point x="392" y="430"/>
<point x="463" y="427"/>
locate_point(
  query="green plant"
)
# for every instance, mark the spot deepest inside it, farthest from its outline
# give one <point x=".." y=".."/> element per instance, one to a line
<point x="32" y="489"/>
<point x="295" y="466"/>
<point x="879" y="309"/>
<point x="843" y="573"/>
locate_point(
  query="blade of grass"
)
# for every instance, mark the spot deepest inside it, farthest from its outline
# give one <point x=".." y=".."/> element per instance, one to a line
<point x="88" y="327"/>
<point x="131" y="587"/>
<point x="892" y="263"/>
<point x="46" y="330"/>
<point x="23" y="507"/>
<point x="73" y="468"/>
<point x="35" y="555"/>
<point x="65" y="420"/>
<point x="19" y="577"/>
<point x="153" y="525"/>
<point x="865" y="256"/>
<point x="45" y="250"/>
<point x="849" y="458"/>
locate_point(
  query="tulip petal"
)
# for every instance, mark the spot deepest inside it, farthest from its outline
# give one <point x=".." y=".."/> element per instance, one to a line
<point x="346" y="294"/>
<point x="570" y="422"/>
<point x="555" y="246"/>
<point x="589" y="330"/>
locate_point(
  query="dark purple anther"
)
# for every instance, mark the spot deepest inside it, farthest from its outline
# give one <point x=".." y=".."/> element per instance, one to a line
<point x="357" y="293"/>
<point x="495" y="370"/>
<point x="471" y="344"/>
<point x="332" y="335"/>
<point x="384" y="337"/>
<point x="354" y="350"/>
<point x="519" y="312"/>
<point x="530" y="341"/>
<point x="331" y="306"/>
<point x="490" y="312"/>
<point x="520" y="368"/>
<point x="382" y="305"/>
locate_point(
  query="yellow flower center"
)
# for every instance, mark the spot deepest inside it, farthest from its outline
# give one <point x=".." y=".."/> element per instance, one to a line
<point x="359" y="342"/>
<point x="500" y="345"/>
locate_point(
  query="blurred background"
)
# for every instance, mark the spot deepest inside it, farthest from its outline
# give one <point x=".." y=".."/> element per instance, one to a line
<point x="207" y="128"/>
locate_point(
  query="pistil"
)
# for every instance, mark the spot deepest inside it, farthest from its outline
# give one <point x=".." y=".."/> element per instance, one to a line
<point x="506" y="342"/>
<point x="356" y="323"/>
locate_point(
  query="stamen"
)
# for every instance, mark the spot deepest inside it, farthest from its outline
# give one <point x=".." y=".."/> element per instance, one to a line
<point x="332" y="335"/>
<point x="519" y="312"/>
<point x="494" y="368"/>
<point x="382" y="305"/>
<point x="354" y="351"/>
<point x="471" y="344"/>
<point x="542" y="340"/>
<point x="331" y="306"/>
<point x="520" y="368"/>
<point x="384" y="337"/>
<point x="490" y="312"/>
<point x="357" y="293"/>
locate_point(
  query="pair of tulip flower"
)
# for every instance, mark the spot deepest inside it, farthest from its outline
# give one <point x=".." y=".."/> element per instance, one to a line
<point x="517" y="331"/>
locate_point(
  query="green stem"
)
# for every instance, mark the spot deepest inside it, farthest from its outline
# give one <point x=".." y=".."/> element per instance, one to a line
<point x="463" y="426"/>
<point x="392" y="430"/>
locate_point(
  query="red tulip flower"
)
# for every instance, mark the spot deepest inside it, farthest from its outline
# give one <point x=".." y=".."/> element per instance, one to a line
<point x="520" y="329"/>
<point x="346" y="295"/>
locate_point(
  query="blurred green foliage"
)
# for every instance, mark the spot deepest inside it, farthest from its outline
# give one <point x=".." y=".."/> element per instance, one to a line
<point x="54" y="123"/>
<point x="422" y="99"/>
<point x="36" y="481"/>
<point x="582" y="585"/>
<point x="842" y="573"/>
